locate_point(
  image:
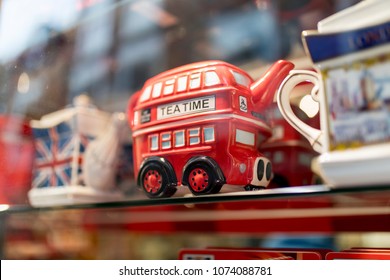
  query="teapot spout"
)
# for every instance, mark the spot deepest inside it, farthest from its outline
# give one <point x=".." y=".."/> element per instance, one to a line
<point x="264" y="89"/>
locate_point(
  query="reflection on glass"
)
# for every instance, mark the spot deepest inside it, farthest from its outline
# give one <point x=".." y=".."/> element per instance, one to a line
<point x="108" y="48"/>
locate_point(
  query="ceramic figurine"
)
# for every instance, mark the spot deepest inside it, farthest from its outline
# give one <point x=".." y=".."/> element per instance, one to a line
<point x="290" y="153"/>
<point x="61" y="139"/>
<point x="351" y="54"/>
<point x="101" y="157"/>
<point x="202" y="126"/>
<point x="77" y="153"/>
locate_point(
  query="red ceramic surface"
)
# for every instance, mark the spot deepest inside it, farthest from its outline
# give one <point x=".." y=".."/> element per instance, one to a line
<point x="16" y="159"/>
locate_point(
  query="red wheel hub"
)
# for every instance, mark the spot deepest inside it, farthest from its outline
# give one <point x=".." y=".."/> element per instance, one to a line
<point x="198" y="179"/>
<point x="152" y="181"/>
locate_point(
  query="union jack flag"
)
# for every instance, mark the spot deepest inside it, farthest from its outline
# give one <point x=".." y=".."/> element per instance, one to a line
<point x="58" y="151"/>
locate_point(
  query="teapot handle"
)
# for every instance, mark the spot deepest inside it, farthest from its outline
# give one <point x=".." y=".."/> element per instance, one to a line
<point x="315" y="136"/>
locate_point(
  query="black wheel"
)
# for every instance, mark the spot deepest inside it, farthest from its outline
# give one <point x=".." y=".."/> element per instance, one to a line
<point x="154" y="181"/>
<point x="253" y="188"/>
<point x="279" y="182"/>
<point x="202" y="180"/>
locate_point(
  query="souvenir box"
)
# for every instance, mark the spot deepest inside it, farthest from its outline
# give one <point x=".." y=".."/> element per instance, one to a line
<point x="248" y="254"/>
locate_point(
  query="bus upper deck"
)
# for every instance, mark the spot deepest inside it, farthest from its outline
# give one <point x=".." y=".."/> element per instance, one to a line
<point x="210" y="87"/>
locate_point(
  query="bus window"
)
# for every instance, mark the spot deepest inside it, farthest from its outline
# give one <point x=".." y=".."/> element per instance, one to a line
<point x="181" y="84"/>
<point x="211" y="79"/>
<point x="179" y="138"/>
<point x="193" y="135"/>
<point x="245" y="137"/>
<point x="168" y="89"/>
<point x="278" y="132"/>
<point x="305" y="159"/>
<point x="146" y="94"/>
<point x="241" y="79"/>
<point x="153" y="142"/>
<point x="195" y="81"/>
<point x="278" y="157"/>
<point x="136" y="119"/>
<point x="166" y="140"/>
<point x="208" y="134"/>
<point x="157" y="90"/>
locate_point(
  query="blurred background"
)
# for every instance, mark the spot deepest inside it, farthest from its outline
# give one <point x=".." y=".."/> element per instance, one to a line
<point x="52" y="51"/>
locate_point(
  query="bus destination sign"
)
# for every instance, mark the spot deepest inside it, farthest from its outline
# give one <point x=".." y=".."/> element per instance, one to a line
<point x="186" y="107"/>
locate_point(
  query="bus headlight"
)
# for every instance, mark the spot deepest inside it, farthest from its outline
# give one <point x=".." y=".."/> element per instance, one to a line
<point x="260" y="169"/>
<point x="268" y="171"/>
<point x="262" y="172"/>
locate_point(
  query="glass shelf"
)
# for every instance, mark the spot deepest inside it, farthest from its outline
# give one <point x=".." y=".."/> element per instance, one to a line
<point x="227" y="218"/>
<point x="308" y="208"/>
<point x="363" y="197"/>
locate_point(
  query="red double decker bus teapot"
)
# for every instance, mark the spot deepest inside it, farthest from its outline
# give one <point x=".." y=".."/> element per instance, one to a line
<point x="202" y="126"/>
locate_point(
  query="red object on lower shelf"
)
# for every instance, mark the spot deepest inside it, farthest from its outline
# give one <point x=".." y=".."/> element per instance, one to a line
<point x="16" y="159"/>
<point x="339" y="212"/>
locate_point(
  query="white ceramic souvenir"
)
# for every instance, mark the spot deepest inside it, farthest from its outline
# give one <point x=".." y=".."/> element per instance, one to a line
<point x="101" y="157"/>
<point x="76" y="154"/>
<point x="351" y="53"/>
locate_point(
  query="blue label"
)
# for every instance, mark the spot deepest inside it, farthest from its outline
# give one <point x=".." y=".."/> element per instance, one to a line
<point x="326" y="46"/>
